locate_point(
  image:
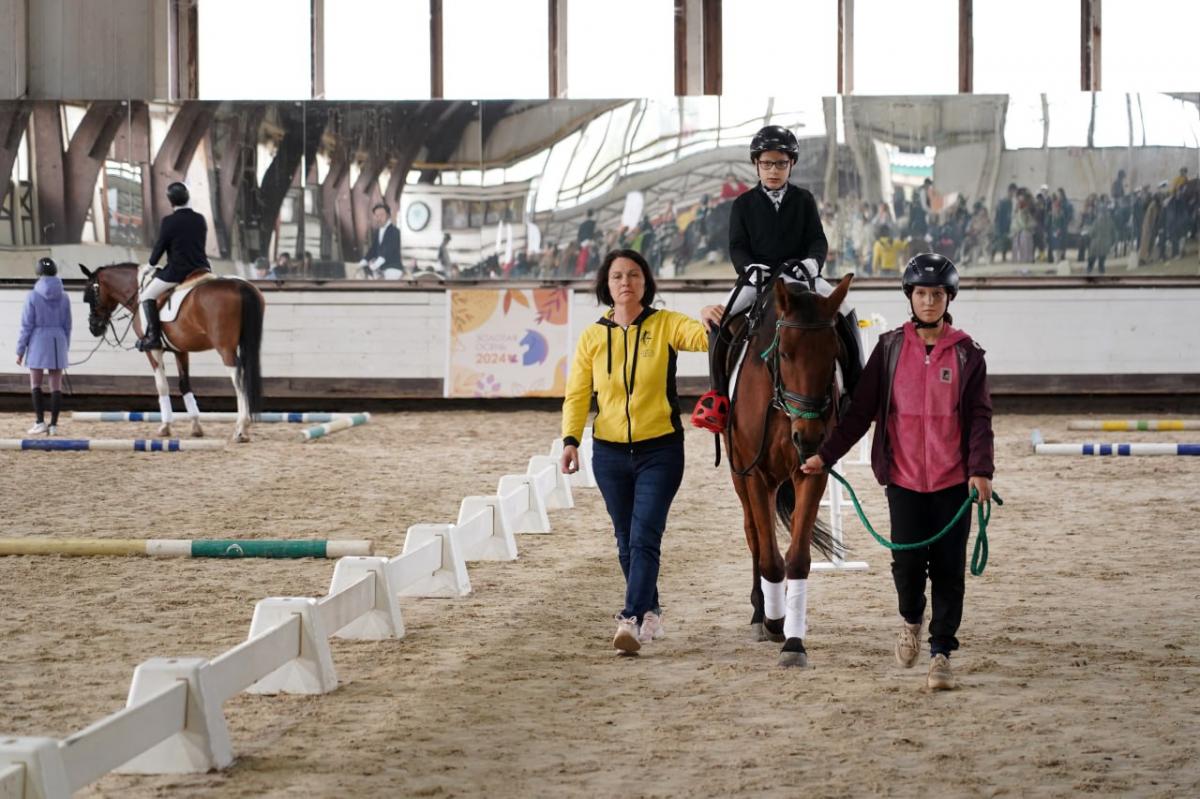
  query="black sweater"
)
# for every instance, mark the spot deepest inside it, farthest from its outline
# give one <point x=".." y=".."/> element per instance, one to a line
<point x="758" y="234"/>
<point x="181" y="236"/>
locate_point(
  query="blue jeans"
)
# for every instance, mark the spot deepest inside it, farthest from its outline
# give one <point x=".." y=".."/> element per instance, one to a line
<point x="638" y="487"/>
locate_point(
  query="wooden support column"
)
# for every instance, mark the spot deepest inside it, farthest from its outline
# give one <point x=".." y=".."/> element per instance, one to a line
<point x="184" y="50"/>
<point x="712" y="47"/>
<point x="14" y="119"/>
<point x="966" y="46"/>
<point x="317" y="44"/>
<point x="85" y="156"/>
<point x="845" y="73"/>
<point x="436" y="90"/>
<point x="278" y="178"/>
<point x="558" y="48"/>
<point x="1089" y="45"/>
<point x="48" y="173"/>
<point x="681" y="59"/>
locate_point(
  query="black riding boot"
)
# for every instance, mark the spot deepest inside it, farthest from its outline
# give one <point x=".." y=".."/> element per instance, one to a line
<point x="153" y="338"/>
<point x="55" y="404"/>
<point x="718" y="355"/>
<point x="38" y="405"/>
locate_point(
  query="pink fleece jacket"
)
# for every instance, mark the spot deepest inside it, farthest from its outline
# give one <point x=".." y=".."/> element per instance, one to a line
<point x="924" y="422"/>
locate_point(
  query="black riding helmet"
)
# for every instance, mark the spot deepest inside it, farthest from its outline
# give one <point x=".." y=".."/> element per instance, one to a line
<point x="46" y="267"/>
<point x="177" y="194"/>
<point x="774" y="138"/>
<point x="931" y="269"/>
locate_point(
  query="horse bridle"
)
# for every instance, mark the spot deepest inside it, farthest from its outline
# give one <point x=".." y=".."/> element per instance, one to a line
<point x="796" y="406"/>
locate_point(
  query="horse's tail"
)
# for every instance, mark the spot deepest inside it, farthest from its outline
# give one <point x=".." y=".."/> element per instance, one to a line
<point x="822" y="539"/>
<point x="249" y="369"/>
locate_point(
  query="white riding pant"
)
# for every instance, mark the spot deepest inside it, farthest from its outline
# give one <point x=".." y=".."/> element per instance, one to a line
<point x="156" y="289"/>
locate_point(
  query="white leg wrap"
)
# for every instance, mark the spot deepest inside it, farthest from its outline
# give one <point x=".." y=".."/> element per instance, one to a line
<point x="164" y="407"/>
<point x="773" y="602"/>
<point x="189" y="402"/>
<point x="796" y="623"/>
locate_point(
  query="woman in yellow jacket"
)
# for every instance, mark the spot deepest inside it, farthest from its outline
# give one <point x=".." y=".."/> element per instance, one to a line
<point x="627" y="360"/>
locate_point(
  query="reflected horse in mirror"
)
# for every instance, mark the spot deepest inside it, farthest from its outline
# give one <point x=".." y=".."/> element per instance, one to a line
<point x="784" y="407"/>
<point x="225" y="315"/>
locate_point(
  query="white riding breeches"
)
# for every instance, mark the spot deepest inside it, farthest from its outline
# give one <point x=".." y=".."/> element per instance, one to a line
<point x="156" y="289"/>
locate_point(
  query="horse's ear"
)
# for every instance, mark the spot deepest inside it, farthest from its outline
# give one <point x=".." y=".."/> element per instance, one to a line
<point x="783" y="299"/>
<point x="835" y="300"/>
<point x="86" y="272"/>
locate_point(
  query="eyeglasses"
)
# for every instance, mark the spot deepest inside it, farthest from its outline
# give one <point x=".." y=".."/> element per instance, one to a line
<point x="774" y="164"/>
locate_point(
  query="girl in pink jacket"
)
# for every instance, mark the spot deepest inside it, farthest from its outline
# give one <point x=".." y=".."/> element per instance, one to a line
<point x="925" y="387"/>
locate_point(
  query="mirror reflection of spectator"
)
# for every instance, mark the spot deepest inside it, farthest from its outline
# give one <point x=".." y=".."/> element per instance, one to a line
<point x="1102" y="238"/>
<point x="262" y="269"/>
<point x="444" y="263"/>
<point x="733" y="187"/>
<point x="283" y="266"/>
<point x="1002" y="224"/>
<point x="587" y="228"/>
<point x="306" y="266"/>
<point x="383" y="255"/>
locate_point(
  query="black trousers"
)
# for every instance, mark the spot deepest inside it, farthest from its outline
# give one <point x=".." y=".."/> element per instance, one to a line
<point x="916" y="517"/>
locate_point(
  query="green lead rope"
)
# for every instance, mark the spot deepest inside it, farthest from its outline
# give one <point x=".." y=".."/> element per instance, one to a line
<point x="978" y="557"/>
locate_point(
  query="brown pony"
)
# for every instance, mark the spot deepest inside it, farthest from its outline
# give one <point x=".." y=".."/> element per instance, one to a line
<point x="225" y="315"/>
<point x="785" y="405"/>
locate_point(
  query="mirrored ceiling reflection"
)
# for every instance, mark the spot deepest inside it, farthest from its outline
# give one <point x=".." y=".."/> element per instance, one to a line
<point x="494" y="190"/>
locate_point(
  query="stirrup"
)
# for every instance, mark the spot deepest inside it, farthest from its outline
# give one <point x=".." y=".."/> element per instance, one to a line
<point x="711" y="412"/>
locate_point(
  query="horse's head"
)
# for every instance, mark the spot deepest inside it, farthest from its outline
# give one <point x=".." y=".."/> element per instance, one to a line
<point x="803" y="357"/>
<point x="108" y="288"/>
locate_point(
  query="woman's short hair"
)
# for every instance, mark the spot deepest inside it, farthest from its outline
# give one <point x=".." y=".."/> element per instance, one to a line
<point x="604" y="296"/>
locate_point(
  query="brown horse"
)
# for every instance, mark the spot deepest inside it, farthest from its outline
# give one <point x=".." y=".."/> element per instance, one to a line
<point x="785" y="405"/>
<point x="225" y="315"/>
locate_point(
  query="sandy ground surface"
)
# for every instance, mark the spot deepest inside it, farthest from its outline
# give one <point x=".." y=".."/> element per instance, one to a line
<point x="1079" y="672"/>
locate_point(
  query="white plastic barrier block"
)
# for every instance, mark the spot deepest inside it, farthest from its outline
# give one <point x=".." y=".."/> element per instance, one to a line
<point x="383" y="620"/>
<point x="203" y="744"/>
<point x="12" y="781"/>
<point x="311" y="671"/>
<point x="481" y="533"/>
<point x="558" y="496"/>
<point x="45" y="771"/>
<point x="522" y="503"/>
<point x="450" y="577"/>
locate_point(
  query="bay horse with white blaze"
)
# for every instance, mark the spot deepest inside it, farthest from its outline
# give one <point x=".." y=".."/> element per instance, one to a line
<point x="784" y="406"/>
<point x="224" y="314"/>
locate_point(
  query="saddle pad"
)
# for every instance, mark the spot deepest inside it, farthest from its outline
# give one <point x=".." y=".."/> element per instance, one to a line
<point x="169" y="309"/>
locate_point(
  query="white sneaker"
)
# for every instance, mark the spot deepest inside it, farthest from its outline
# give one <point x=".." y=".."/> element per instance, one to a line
<point x="626" y="638"/>
<point x="652" y="628"/>
<point x="37" y="429"/>
<point x="52" y="430"/>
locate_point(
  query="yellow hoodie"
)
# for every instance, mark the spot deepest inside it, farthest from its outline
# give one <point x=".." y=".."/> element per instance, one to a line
<point x="632" y="374"/>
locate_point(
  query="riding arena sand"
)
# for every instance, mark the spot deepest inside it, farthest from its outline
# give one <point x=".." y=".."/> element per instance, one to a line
<point x="1079" y="671"/>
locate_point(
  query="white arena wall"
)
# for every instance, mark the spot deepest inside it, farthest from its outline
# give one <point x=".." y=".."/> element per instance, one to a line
<point x="1044" y="338"/>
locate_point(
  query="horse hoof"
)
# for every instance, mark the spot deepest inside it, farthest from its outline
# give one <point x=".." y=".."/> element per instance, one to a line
<point x="758" y="633"/>
<point x="241" y="438"/>
<point x="793" y="654"/>
<point x="164" y="431"/>
<point x="774" y="630"/>
<point x="197" y="432"/>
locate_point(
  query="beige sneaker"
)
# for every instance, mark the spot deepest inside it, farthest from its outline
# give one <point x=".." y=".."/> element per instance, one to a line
<point x="908" y="644"/>
<point x="940" y="677"/>
<point x="626" y="638"/>
<point x="652" y="628"/>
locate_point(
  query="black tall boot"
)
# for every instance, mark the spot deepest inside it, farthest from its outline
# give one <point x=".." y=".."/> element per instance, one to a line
<point x="38" y="405"/>
<point x="55" y="404"/>
<point x="153" y="338"/>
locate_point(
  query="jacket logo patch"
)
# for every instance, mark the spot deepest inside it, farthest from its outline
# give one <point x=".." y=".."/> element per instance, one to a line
<point x="946" y="375"/>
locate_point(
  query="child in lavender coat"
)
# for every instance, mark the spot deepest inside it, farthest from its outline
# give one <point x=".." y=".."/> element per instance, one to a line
<point x="42" y="345"/>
